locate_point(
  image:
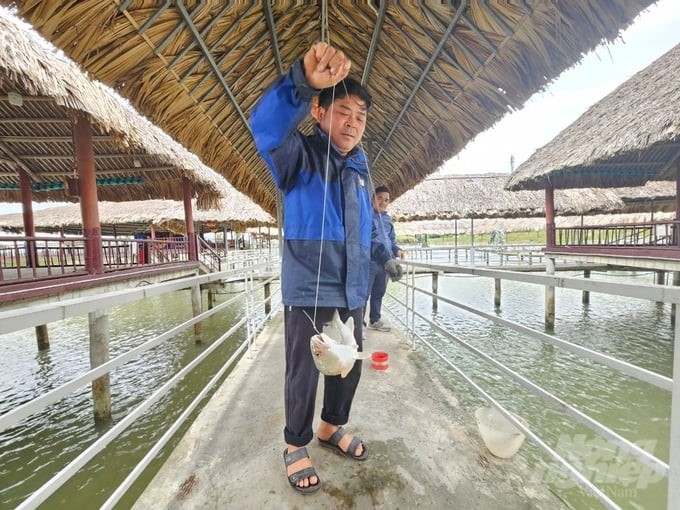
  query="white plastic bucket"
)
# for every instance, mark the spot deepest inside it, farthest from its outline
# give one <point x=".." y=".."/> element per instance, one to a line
<point x="500" y="436"/>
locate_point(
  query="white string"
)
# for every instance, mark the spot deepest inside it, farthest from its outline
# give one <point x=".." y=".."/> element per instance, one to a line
<point x="323" y="213"/>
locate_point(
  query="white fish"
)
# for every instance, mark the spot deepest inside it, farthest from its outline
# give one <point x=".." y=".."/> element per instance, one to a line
<point x="336" y="357"/>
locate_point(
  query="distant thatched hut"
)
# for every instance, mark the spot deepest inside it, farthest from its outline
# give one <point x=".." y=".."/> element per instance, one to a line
<point x="628" y="138"/>
<point x="484" y="196"/>
<point x="138" y="216"/>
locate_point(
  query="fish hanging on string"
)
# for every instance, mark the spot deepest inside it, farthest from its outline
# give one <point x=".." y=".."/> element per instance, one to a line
<point x="336" y="357"/>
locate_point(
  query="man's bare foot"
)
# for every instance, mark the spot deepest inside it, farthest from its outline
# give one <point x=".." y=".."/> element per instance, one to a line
<point x="326" y="430"/>
<point x="299" y="465"/>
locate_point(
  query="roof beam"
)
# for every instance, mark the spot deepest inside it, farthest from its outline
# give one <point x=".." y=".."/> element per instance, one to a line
<point x="204" y="32"/>
<point x="416" y="88"/>
<point x="272" y="34"/>
<point x="377" y="30"/>
<point x="211" y="60"/>
<point x="223" y="38"/>
<point x="496" y="17"/>
<point x="154" y="17"/>
<point x="116" y="171"/>
<point x="236" y="64"/>
<point x="37" y="120"/>
<point x="17" y="160"/>
<point x="173" y="33"/>
<point x="61" y="157"/>
<point x="48" y="139"/>
<point x="451" y="61"/>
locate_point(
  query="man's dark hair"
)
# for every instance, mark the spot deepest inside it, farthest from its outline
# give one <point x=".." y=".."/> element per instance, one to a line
<point x="344" y="88"/>
<point x="382" y="189"/>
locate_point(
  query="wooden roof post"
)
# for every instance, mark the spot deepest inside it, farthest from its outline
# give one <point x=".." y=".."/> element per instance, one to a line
<point x="677" y="202"/>
<point x="41" y="333"/>
<point x="189" y="218"/>
<point x="27" y="210"/>
<point x="84" y="156"/>
<point x="549" y="215"/>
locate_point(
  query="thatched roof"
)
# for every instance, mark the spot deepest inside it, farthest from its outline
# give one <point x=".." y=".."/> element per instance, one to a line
<point x="483" y="196"/>
<point x="439" y="72"/>
<point x="629" y="137"/>
<point x="488" y="225"/>
<point x="133" y="158"/>
<point x="136" y="216"/>
<point x="655" y="195"/>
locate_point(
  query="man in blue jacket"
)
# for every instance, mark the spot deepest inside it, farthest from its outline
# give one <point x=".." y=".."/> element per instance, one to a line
<point x="327" y="228"/>
<point x="384" y="249"/>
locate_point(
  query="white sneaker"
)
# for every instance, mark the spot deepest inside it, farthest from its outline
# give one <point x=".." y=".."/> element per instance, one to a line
<point x="379" y="325"/>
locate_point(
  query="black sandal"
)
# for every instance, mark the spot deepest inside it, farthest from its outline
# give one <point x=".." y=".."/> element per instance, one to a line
<point x="308" y="472"/>
<point x="334" y="441"/>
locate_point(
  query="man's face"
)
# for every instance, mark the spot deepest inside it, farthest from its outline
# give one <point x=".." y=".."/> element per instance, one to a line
<point x="344" y="121"/>
<point x="381" y="201"/>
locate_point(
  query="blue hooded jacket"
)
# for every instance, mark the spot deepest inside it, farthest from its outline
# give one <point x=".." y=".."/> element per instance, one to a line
<point x="336" y="210"/>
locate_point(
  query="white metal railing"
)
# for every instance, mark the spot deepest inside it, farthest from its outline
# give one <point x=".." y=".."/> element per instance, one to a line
<point x="486" y="254"/>
<point x="651" y="292"/>
<point x="42" y="314"/>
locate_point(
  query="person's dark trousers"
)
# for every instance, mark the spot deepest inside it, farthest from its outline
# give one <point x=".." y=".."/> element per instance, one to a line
<point x="302" y="376"/>
<point x="377" y="285"/>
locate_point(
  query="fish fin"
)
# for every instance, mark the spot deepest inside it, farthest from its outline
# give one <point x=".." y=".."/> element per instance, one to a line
<point x="336" y="318"/>
<point x="349" y="324"/>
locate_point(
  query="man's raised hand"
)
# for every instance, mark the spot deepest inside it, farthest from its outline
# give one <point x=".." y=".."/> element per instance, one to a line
<point x="325" y="66"/>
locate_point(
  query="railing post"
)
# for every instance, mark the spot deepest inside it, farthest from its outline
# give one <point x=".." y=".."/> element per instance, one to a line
<point x="43" y="337"/>
<point x="585" y="297"/>
<point x="435" y="289"/>
<point x="674" y="307"/>
<point x="267" y="298"/>
<point x="673" y="502"/>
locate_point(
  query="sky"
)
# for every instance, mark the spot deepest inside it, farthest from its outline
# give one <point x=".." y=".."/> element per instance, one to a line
<point x="520" y="133"/>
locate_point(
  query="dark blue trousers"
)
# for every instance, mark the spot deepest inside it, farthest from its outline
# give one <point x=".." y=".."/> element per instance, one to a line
<point x="302" y="376"/>
<point x="377" y="286"/>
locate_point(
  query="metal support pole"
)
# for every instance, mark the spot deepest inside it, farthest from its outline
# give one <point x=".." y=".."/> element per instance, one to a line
<point x="585" y="297"/>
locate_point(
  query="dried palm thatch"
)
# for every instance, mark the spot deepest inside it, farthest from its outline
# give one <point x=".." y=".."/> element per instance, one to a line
<point x="653" y="196"/>
<point x="439" y="72"/>
<point x="628" y="138"/>
<point x="136" y="216"/>
<point x="133" y="158"/>
<point x="483" y="196"/>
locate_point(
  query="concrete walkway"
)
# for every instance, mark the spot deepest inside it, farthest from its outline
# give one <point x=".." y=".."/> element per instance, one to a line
<point x="424" y="447"/>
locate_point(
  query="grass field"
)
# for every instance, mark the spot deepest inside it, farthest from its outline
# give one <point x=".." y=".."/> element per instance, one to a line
<point x="533" y="237"/>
